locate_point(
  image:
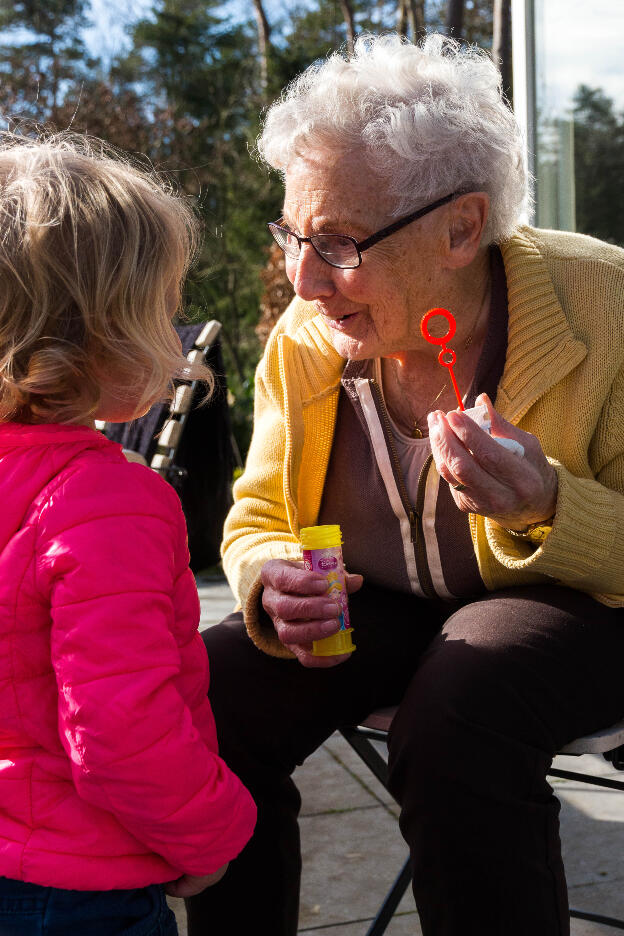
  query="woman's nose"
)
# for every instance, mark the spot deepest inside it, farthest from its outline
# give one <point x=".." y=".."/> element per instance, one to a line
<point x="310" y="275"/>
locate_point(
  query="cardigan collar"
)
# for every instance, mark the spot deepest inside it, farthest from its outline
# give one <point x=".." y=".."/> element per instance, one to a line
<point x="541" y="347"/>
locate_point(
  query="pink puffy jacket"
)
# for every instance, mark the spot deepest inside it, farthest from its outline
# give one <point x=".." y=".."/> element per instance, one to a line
<point x="109" y="773"/>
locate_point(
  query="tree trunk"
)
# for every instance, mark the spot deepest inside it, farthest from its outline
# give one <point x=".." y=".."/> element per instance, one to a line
<point x="455" y="18"/>
<point x="416" y="15"/>
<point x="347" y="13"/>
<point x="402" y="18"/>
<point x="264" y="42"/>
<point x="501" y="42"/>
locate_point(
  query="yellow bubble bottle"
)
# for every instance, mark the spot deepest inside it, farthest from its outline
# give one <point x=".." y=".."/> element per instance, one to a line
<point x="322" y="552"/>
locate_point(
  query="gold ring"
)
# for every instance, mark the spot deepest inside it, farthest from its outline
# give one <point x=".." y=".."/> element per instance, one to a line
<point x="459" y="487"/>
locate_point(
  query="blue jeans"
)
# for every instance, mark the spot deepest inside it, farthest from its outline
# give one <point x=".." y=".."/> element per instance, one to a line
<point x="32" y="910"/>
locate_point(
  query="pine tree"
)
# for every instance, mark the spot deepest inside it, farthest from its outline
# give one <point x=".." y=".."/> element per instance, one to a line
<point x="598" y="165"/>
<point x="202" y="79"/>
<point x="46" y="55"/>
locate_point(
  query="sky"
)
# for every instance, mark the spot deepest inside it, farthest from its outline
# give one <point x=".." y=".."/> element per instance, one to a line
<point x="106" y="37"/>
<point x="579" y="42"/>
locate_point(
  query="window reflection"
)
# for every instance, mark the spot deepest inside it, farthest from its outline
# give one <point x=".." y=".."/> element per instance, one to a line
<point x="580" y="116"/>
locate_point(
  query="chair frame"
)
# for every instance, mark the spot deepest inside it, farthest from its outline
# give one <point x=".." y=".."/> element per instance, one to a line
<point x="171" y="433"/>
<point x="360" y="738"/>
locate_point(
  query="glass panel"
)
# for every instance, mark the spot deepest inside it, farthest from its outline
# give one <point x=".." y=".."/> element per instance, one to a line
<point x="580" y="116"/>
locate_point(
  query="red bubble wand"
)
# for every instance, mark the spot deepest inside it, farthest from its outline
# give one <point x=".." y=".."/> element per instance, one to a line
<point x="446" y="357"/>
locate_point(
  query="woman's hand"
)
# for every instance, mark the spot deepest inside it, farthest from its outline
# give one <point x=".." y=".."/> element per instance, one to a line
<point x="300" y="608"/>
<point x="511" y="490"/>
<point x="188" y="885"/>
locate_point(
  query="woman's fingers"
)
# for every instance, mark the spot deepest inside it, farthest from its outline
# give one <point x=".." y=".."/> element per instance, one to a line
<point x="297" y="602"/>
<point x="292" y="633"/>
<point x="285" y="575"/>
<point x="353" y="581"/>
<point x="306" y="658"/>
<point x="496" y="483"/>
<point x="298" y="607"/>
<point x="292" y="593"/>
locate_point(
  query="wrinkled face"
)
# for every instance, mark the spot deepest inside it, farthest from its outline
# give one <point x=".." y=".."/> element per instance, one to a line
<point x="374" y="310"/>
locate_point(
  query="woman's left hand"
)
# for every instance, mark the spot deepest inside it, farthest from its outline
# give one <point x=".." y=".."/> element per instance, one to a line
<point x="513" y="491"/>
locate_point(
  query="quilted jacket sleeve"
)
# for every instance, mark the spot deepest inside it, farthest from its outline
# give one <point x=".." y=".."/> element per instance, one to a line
<point x="135" y="723"/>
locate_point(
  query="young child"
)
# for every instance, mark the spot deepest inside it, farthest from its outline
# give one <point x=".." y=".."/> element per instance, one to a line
<point x="110" y="781"/>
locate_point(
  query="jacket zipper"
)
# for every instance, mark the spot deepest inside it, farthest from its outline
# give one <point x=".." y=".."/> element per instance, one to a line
<point x="414" y="512"/>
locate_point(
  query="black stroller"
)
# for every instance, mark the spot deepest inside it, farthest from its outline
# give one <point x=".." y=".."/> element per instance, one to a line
<point x="190" y="446"/>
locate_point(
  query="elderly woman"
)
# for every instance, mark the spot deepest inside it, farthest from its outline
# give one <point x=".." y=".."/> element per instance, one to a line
<point x="492" y="582"/>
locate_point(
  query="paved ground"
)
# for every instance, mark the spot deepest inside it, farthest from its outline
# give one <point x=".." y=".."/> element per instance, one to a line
<point x="352" y="848"/>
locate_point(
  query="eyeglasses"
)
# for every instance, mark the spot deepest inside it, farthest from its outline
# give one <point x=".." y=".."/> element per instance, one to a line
<point x="341" y="250"/>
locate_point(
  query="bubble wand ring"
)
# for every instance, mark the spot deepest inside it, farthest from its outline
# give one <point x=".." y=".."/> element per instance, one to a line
<point x="446" y="357"/>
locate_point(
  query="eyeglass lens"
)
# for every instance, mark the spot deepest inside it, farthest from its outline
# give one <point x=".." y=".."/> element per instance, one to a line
<point x="338" y="249"/>
<point x="284" y="239"/>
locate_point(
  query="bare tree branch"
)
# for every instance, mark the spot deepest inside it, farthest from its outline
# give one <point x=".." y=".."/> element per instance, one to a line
<point x="347" y="13"/>
<point x="501" y="42"/>
<point x="416" y="16"/>
<point x="264" y="41"/>
<point x="402" y="18"/>
<point x="455" y="18"/>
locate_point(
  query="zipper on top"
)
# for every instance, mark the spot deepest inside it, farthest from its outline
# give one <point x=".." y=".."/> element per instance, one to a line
<point x="413" y="511"/>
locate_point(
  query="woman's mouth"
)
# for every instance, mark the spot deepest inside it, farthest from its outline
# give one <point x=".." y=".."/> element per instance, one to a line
<point x="340" y="321"/>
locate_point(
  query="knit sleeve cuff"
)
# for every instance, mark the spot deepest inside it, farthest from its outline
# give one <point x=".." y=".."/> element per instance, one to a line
<point x="579" y="551"/>
<point x="260" y="626"/>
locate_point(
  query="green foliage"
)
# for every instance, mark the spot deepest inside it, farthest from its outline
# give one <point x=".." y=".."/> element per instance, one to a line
<point x="598" y="165"/>
<point x="201" y="75"/>
<point x="35" y="70"/>
<point x="478" y="18"/>
<point x="310" y="34"/>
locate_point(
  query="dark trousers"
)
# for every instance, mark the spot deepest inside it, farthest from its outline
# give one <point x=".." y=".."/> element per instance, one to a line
<point x="33" y="910"/>
<point x="488" y="692"/>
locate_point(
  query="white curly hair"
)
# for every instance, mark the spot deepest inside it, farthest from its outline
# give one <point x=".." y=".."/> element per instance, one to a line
<point x="430" y="118"/>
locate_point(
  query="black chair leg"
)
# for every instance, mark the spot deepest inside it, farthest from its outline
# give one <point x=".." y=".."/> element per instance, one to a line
<point x="597" y="918"/>
<point x="391" y="902"/>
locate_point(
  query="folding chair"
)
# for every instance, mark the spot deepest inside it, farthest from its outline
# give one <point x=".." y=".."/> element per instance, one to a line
<point x="170" y="436"/>
<point x="608" y="742"/>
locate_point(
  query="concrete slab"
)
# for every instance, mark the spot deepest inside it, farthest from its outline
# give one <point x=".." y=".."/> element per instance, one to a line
<point x="585" y="928"/>
<point x="177" y="905"/>
<point x="216" y="599"/>
<point x="403" y="925"/>
<point x="353" y="764"/>
<point x="350" y="859"/>
<point x="592" y="840"/>
<point x="325" y="785"/>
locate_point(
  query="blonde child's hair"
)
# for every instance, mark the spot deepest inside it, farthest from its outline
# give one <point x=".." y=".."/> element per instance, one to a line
<point x="93" y="254"/>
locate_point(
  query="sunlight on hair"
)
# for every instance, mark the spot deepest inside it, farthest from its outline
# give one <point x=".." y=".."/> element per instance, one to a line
<point x="429" y="118"/>
<point x="94" y="249"/>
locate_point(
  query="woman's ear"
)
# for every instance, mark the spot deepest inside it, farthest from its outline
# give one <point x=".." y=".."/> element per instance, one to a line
<point x="467" y="218"/>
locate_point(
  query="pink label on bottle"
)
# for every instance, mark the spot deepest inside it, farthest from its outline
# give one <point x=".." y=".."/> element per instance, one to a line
<point x="329" y="562"/>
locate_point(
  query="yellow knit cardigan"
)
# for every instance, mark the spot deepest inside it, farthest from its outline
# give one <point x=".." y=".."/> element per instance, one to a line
<point x="563" y="381"/>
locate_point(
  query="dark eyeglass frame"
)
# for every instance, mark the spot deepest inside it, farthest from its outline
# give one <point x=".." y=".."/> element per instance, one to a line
<point x="360" y="246"/>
